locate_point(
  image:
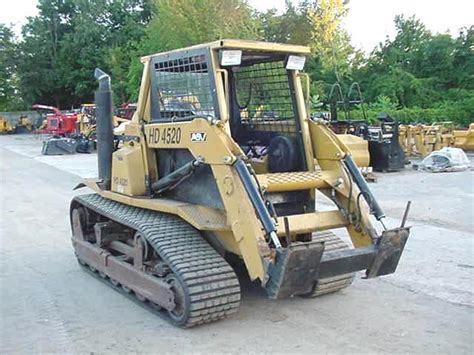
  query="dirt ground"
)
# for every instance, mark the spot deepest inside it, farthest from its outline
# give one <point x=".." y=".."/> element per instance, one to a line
<point x="48" y="304"/>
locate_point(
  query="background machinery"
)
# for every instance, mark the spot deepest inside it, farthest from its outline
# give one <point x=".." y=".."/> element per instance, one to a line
<point x="5" y="126"/>
<point x="61" y="126"/>
<point x="421" y="140"/>
<point x="56" y="122"/>
<point x="126" y="110"/>
<point x="386" y="153"/>
<point x="86" y="121"/>
<point x="226" y="172"/>
<point x="23" y="124"/>
<point x="464" y="139"/>
<point x="384" y="149"/>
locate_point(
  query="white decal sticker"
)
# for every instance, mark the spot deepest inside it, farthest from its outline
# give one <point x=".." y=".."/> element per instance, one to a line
<point x="295" y="62"/>
<point x="198" y="136"/>
<point x="231" y="57"/>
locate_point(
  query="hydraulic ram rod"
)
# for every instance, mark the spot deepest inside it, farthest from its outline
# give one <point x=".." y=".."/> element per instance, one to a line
<point x="375" y="208"/>
<point x="257" y="202"/>
<point x="176" y="176"/>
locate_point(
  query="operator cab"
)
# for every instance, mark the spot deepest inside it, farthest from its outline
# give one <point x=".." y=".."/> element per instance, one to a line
<point x="259" y="94"/>
<point x="263" y="114"/>
<point x="251" y="87"/>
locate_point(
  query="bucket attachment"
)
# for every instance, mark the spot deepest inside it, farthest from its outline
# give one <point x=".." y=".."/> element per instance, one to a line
<point x="295" y="270"/>
<point x="59" y="146"/>
<point x="297" y="267"/>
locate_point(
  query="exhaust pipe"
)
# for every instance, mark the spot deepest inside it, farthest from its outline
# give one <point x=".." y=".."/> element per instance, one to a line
<point x="104" y="128"/>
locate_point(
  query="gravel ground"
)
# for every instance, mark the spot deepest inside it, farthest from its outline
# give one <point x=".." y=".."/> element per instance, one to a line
<point x="48" y="304"/>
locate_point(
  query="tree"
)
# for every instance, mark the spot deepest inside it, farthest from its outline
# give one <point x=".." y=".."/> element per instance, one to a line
<point x="196" y="22"/>
<point x="9" y="98"/>
<point x="68" y="39"/>
<point x="463" y="59"/>
<point x="38" y="68"/>
<point x="293" y="26"/>
<point x="317" y="24"/>
<point x="182" y="23"/>
<point x="130" y="18"/>
<point x="104" y="35"/>
<point x="330" y="43"/>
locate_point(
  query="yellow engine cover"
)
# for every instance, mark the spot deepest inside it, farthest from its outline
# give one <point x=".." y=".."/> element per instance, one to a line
<point x="128" y="171"/>
<point x="358" y="147"/>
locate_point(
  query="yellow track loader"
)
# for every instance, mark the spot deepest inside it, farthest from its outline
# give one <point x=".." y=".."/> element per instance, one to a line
<point x="221" y="166"/>
<point x="5" y="126"/>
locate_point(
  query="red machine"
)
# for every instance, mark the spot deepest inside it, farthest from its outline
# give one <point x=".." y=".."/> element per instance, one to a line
<point x="126" y="110"/>
<point x="57" y="122"/>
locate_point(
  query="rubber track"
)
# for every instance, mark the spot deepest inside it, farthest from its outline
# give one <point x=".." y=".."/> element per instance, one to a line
<point x="210" y="282"/>
<point x="336" y="283"/>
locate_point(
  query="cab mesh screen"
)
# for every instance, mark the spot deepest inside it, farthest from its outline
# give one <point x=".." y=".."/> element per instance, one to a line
<point x="264" y="97"/>
<point x="184" y="88"/>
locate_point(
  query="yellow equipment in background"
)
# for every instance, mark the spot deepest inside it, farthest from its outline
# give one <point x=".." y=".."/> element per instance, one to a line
<point x="464" y="139"/>
<point x="86" y="121"/>
<point x="196" y="190"/>
<point x="24" y="125"/>
<point x="421" y="140"/>
<point x="5" y="126"/>
<point x="358" y="147"/>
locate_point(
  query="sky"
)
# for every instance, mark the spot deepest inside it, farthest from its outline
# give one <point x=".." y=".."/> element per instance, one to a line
<point x="369" y="22"/>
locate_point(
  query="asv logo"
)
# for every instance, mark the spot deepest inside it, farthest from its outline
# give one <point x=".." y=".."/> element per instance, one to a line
<point x="198" y="136"/>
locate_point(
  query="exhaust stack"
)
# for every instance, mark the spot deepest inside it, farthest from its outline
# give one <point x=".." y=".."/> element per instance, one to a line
<point x="104" y="127"/>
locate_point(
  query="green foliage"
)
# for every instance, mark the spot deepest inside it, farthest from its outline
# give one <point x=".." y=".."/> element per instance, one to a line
<point x="383" y="104"/>
<point x="317" y="24"/>
<point x="192" y="22"/>
<point x="39" y="68"/>
<point x="460" y="111"/>
<point x="9" y="98"/>
<point x="68" y="39"/>
<point x="428" y="77"/>
<point x="293" y="26"/>
<point x="415" y="76"/>
<point x="315" y="103"/>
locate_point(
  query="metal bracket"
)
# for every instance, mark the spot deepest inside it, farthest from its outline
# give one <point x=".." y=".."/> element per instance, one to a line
<point x="390" y="248"/>
<point x="295" y="270"/>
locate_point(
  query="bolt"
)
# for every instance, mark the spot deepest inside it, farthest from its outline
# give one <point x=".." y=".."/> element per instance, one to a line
<point x="339" y="181"/>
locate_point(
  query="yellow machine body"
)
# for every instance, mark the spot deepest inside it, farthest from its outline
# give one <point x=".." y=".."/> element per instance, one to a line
<point x="222" y="139"/>
<point x="5" y="126"/>
<point x="86" y="121"/>
<point x="358" y="147"/>
<point x="236" y="225"/>
<point x="464" y="139"/>
<point x="421" y="140"/>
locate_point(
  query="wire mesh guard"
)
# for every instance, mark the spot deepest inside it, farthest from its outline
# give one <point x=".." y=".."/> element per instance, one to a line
<point x="264" y="97"/>
<point x="184" y="88"/>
